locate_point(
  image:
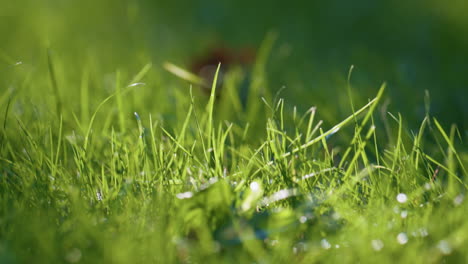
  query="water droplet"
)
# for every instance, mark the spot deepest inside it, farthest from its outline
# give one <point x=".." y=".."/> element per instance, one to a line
<point x="137" y="116"/>
<point x="427" y="186"/>
<point x="254" y="186"/>
<point x="402" y="238"/>
<point x="377" y="244"/>
<point x="444" y="247"/>
<point x="299" y="247"/>
<point x="458" y="200"/>
<point x="136" y="84"/>
<point x="423" y="232"/>
<point x="185" y="195"/>
<point x="303" y="219"/>
<point x="336" y="215"/>
<point x="280" y="195"/>
<point x="73" y="256"/>
<point x="404" y="214"/>
<point x="213" y="180"/>
<point x="402" y="198"/>
<point x="295" y="250"/>
<point x="325" y="244"/>
<point x="99" y="196"/>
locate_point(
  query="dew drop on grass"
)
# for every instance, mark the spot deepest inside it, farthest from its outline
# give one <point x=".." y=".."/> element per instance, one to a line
<point x="458" y="200"/>
<point x="427" y="186"/>
<point x="402" y="198"/>
<point x="299" y="247"/>
<point x="73" y="256"/>
<point x="444" y="247"/>
<point x="336" y="216"/>
<point x="377" y="244"/>
<point x="184" y="195"/>
<point x="402" y="238"/>
<point x="135" y="84"/>
<point x="423" y="232"/>
<point x="99" y="196"/>
<point x="325" y="244"/>
<point x="295" y="250"/>
<point x="404" y="214"/>
<point x="254" y="186"/>
<point x="137" y="116"/>
<point x="303" y="219"/>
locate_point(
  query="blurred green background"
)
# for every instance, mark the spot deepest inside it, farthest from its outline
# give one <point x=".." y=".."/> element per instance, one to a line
<point x="412" y="45"/>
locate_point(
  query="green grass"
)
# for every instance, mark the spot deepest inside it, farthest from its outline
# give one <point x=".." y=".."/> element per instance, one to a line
<point x="135" y="190"/>
<point x="106" y="157"/>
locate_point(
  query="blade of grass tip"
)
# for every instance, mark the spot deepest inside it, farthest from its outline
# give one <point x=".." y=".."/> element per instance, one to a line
<point x="175" y="141"/>
<point x="258" y="76"/>
<point x="139" y="76"/>
<point x="450" y="144"/>
<point x="184" y="74"/>
<point x="363" y="123"/>
<point x="6" y="114"/>
<point x="84" y="96"/>
<point x="185" y="125"/>
<point x="78" y="122"/>
<point x="6" y="96"/>
<point x="418" y="140"/>
<point x="348" y="88"/>
<point x="263" y="53"/>
<point x="54" y="158"/>
<point x="53" y="80"/>
<point x="281" y="106"/>
<point x="398" y="146"/>
<point x="451" y="163"/>
<point x="325" y="147"/>
<point x="124" y="91"/>
<point x="245" y="132"/>
<point x="210" y="106"/>
<point x="330" y="131"/>
<point x="312" y="111"/>
<point x="340" y="125"/>
<point x="121" y="111"/>
<point x="59" y="143"/>
<point x="200" y="133"/>
<point x="434" y="161"/>
<point x="376" y="148"/>
<point x="154" y="149"/>
<point x="141" y="129"/>
<point x="361" y="148"/>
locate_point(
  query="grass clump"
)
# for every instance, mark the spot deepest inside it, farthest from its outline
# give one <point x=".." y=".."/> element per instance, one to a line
<point x="113" y="180"/>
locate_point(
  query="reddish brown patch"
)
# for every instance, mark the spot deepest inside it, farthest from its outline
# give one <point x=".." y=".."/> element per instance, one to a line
<point x="205" y="66"/>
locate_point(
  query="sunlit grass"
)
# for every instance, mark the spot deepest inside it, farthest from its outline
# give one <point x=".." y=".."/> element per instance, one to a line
<point x="113" y="189"/>
<point x="123" y="162"/>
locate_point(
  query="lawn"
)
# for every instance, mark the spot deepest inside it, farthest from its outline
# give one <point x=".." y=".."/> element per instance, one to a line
<point x="322" y="133"/>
